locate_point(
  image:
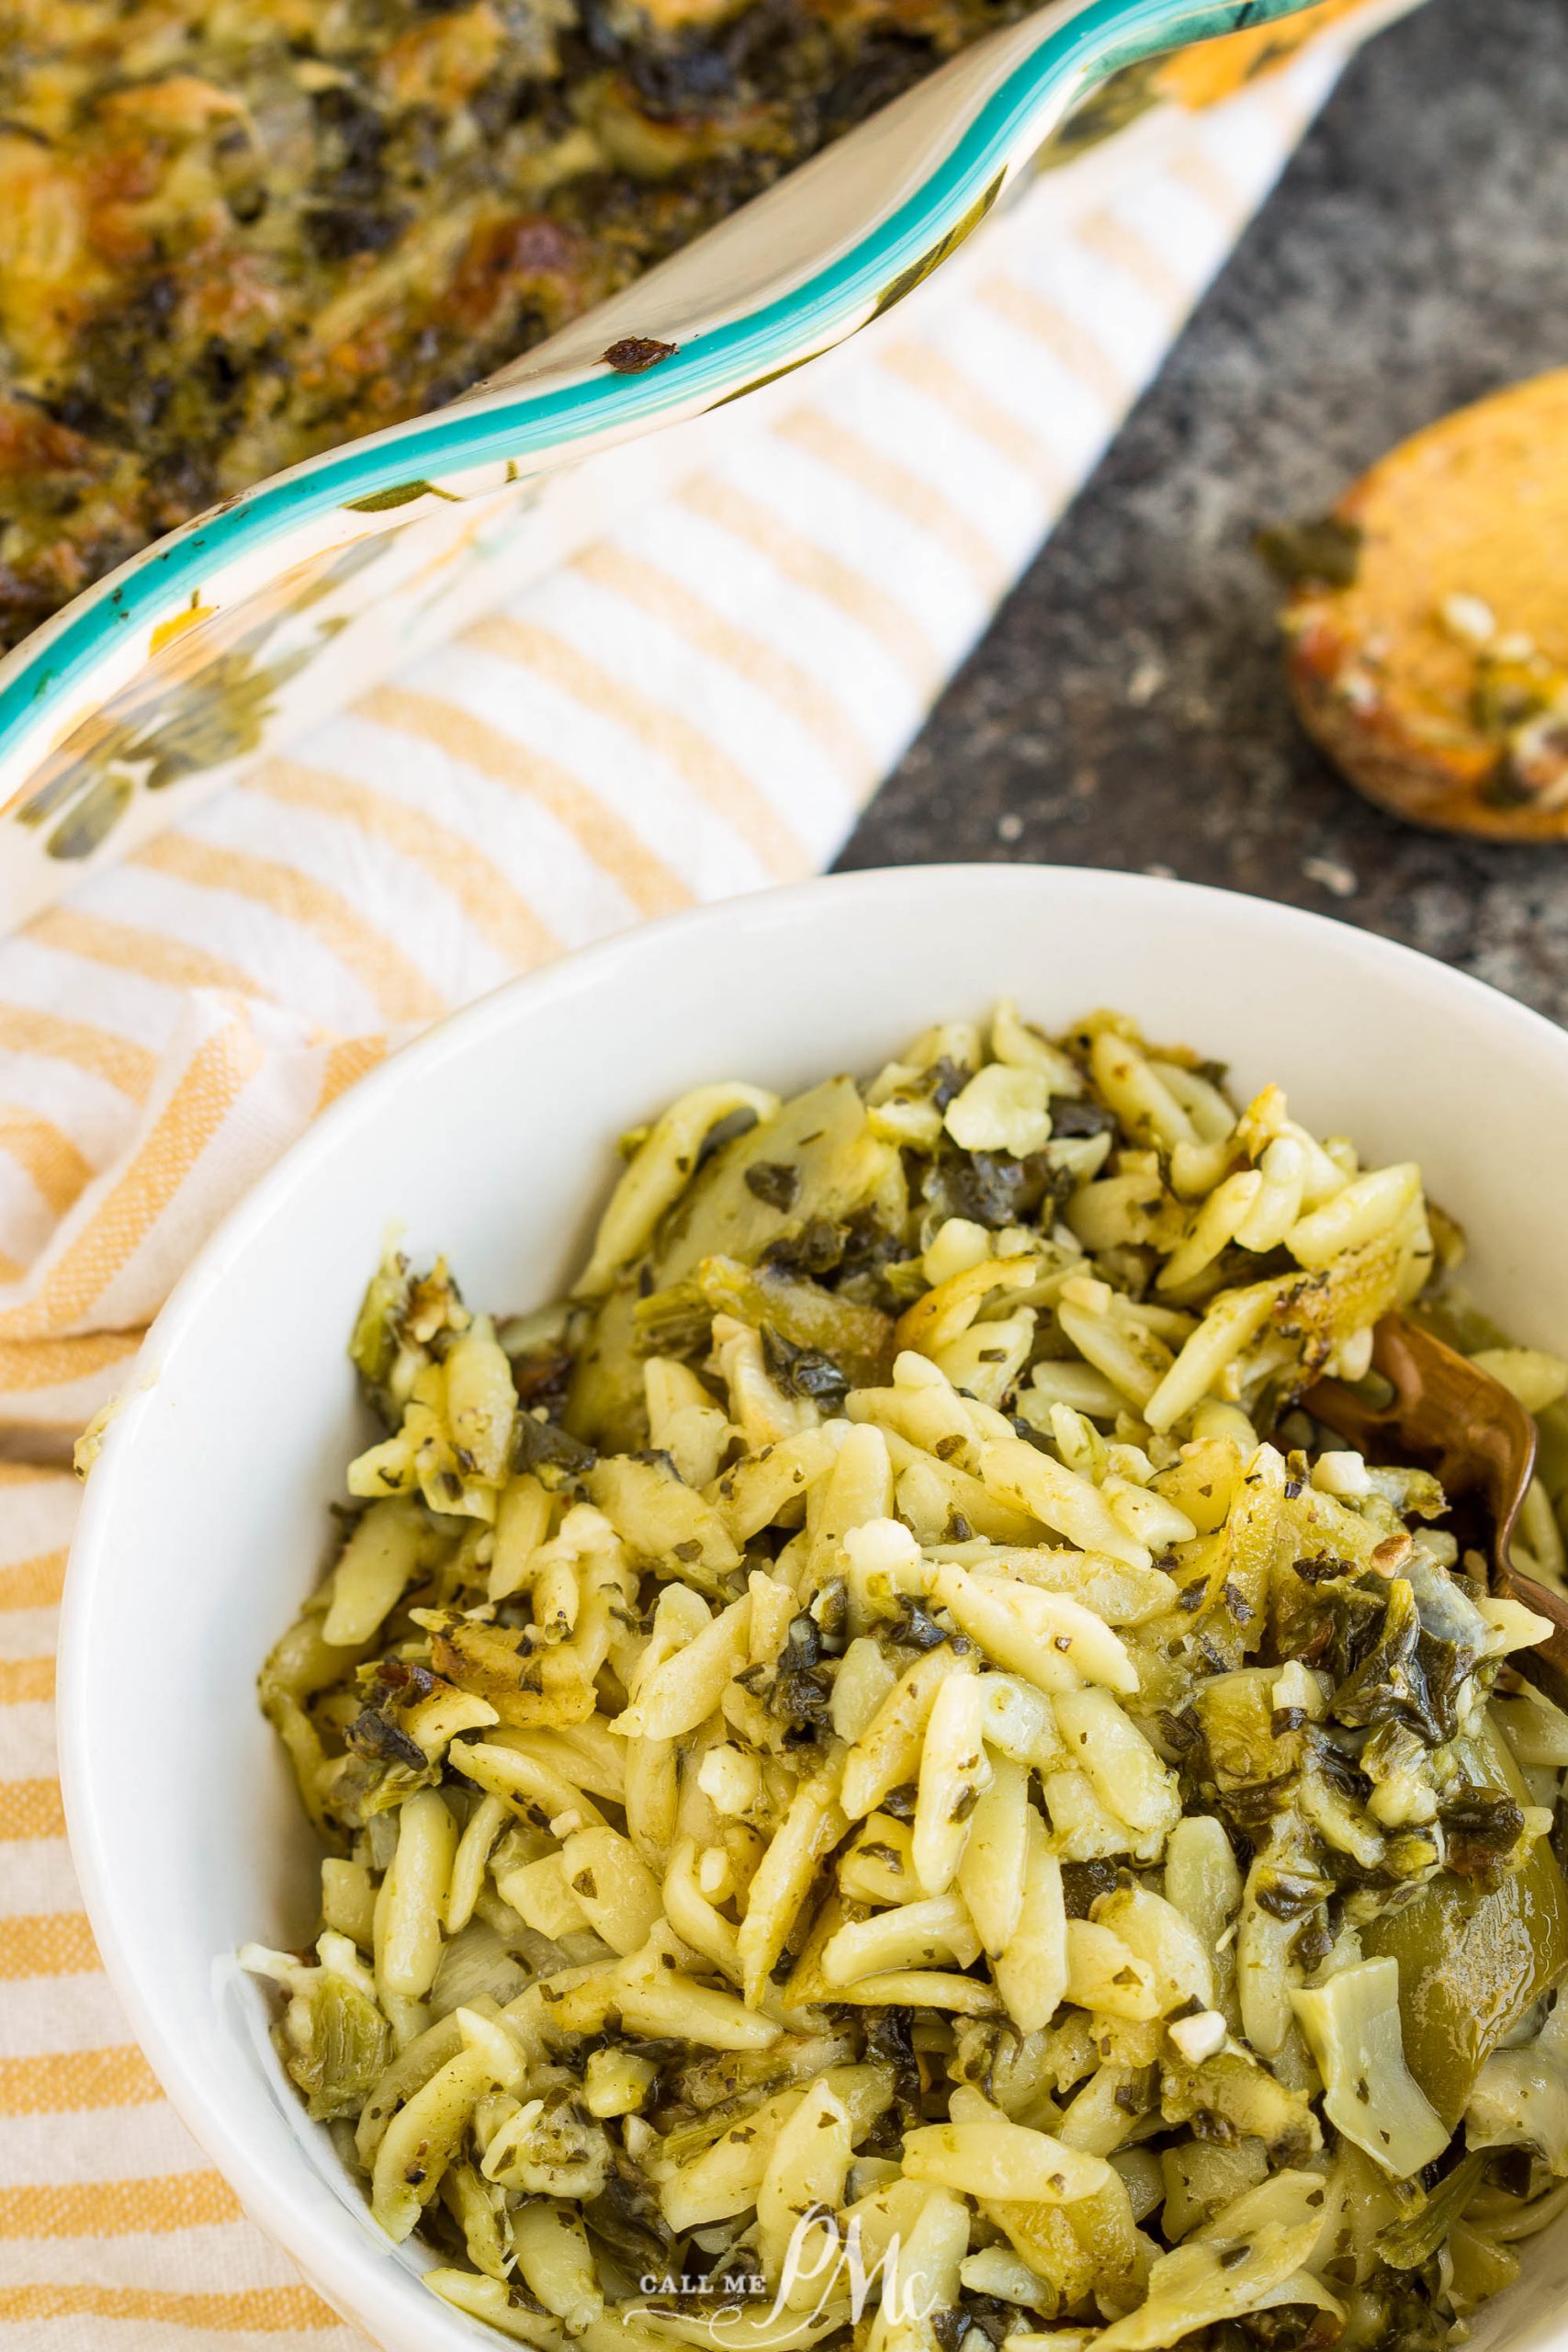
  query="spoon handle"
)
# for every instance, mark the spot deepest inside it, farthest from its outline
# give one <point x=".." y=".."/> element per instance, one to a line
<point x="1477" y="1440"/>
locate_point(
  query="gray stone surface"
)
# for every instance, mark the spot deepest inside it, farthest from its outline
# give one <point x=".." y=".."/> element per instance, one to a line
<point x="1127" y="707"/>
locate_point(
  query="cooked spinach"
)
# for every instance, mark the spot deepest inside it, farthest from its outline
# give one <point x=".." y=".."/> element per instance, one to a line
<point x="803" y="1372"/>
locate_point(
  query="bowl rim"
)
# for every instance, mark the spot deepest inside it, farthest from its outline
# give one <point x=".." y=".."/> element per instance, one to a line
<point x="541" y="428"/>
<point x="272" y="2195"/>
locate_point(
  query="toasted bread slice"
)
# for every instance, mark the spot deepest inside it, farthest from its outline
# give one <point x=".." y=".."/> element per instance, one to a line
<point x="1427" y="625"/>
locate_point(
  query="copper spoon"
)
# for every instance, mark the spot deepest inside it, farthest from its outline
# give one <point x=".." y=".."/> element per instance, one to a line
<point x="1450" y="1418"/>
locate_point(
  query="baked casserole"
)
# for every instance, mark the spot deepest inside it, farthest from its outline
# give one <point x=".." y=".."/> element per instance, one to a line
<point x="236" y="236"/>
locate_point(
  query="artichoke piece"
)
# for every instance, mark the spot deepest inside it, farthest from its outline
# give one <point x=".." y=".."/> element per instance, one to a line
<point x="1206" y="2280"/>
<point x="475" y="1961"/>
<point x="550" y="2147"/>
<point x="1103" y="2225"/>
<point x="1361" y="2202"/>
<point x="1352" y="2024"/>
<point x="1536" y="1731"/>
<point x="1236" y="1714"/>
<point x="349" y="2046"/>
<point x="1043" y="2237"/>
<point x="1200" y="2176"/>
<point x="721" y="2084"/>
<point x="1520" y="2097"/>
<point x="823" y="1136"/>
<point x="815" y="1344"/>
<point x="1472" y="1959"/>
<point x="663" y="1165"/>
<point x="859" y="1340"/>
<point x="675" y="1322"/>
<point x="1231" y="2098"/>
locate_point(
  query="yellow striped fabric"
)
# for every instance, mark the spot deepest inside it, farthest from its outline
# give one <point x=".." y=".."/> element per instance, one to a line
<point x="694" y="708"/>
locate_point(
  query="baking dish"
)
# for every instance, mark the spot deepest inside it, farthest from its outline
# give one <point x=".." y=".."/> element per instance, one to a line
<point x="223" y="640"/>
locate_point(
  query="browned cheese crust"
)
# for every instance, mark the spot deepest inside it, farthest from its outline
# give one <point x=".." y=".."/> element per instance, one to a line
<point x="236" y="232"/>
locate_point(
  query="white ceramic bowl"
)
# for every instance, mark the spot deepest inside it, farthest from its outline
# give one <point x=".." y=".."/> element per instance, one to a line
<point x="204" y="1523"/>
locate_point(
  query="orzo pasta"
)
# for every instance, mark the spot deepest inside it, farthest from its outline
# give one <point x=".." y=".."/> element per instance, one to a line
<point x="883" y="1782"/>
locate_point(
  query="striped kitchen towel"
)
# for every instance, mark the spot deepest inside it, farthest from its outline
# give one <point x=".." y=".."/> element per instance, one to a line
<point x="696" y="706"/>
